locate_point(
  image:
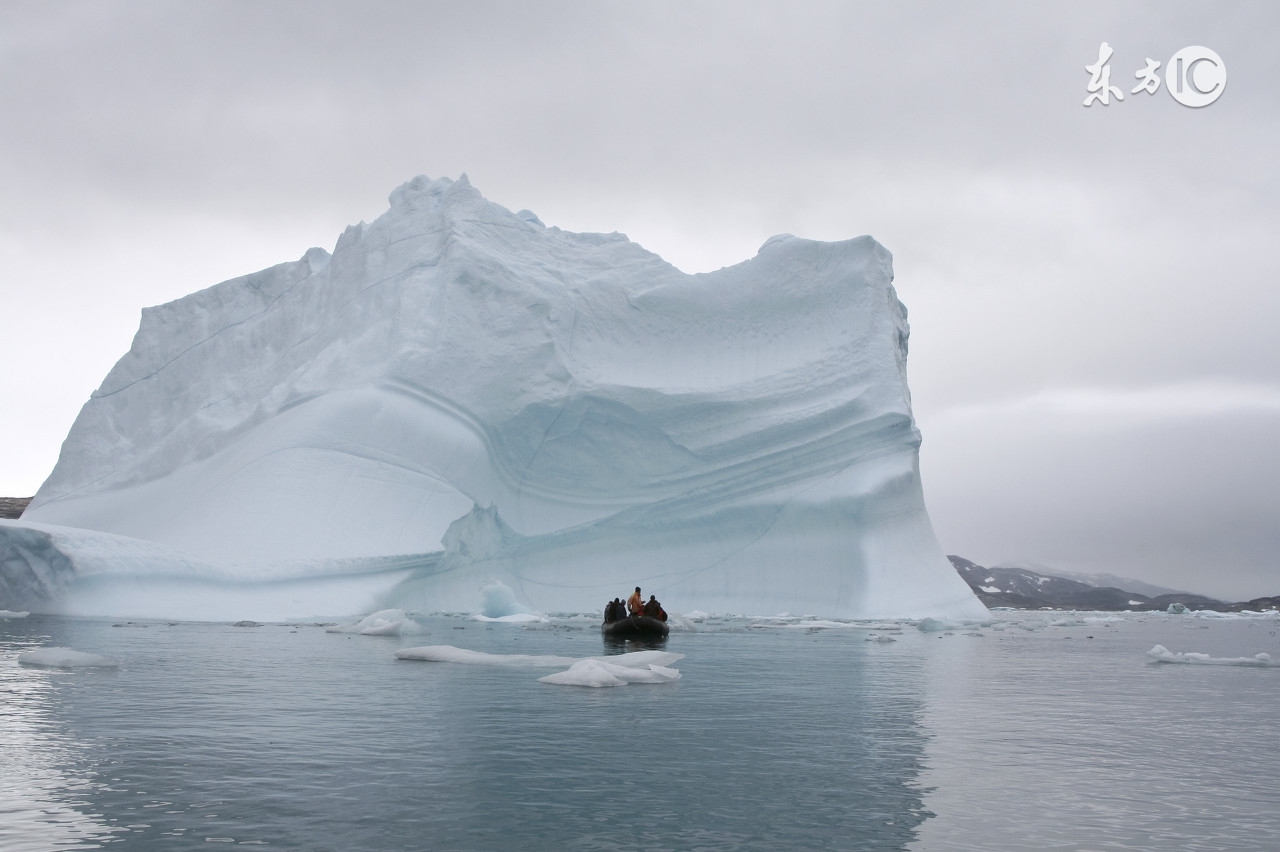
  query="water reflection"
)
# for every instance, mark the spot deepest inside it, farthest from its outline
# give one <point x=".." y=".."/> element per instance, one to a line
<point x="45" y="793"/>
<point x="625" y="645"/>
<point x="770" y="740"/>
<point x="302" y="739"/>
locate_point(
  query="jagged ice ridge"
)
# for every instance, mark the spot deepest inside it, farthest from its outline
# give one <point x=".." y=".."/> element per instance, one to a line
<point x="461" y="396"/>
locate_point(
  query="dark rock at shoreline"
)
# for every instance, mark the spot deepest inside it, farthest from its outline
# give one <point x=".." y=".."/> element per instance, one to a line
<point x="13" y="507"/>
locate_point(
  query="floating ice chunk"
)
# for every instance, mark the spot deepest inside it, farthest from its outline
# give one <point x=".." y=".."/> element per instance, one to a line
<point x="66" y="658"/>
<point x="635" y="667"/>
<point x="498" y="601"/>
<point x="1161" y="654"/>
<point x="451" y="654"/>
<point x="938" y="625"/>
<point x="584" y="673"/>
<point x="514" y="618"/>
<point x="7" y="613"/>
<point x="385" y="622"/>
<point x="1177" y="608"/>
<point x="596" y="672"/>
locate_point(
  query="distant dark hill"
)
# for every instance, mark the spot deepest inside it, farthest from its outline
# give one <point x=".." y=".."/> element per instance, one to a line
<point x="1023" y="588"/>
<point x="13" y="507"/>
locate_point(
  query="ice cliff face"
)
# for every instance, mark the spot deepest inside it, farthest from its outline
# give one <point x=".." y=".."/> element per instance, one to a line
<point x="459" y="394"/>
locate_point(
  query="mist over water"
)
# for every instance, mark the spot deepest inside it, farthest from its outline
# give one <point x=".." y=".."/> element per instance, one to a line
<point x="1035" y="731"/>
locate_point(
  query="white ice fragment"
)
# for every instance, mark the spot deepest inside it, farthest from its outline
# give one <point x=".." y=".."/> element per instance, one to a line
<point x="597" y="672"/>
<point x="385" y="622"/>
<point x="1161" y="654"/>
<point x="584" y="673"/>
<point x="451" y="654"/>
<point x="7" y="613"/>
<point x="66" y="658"/>
<point x="938" y="625"/>
<point x="498" y="601"/>
<point x="514" y="618"/>
<point x="616" y="670"/>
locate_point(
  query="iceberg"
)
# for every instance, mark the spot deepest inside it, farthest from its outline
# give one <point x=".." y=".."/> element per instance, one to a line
<point x="460" y="399"/>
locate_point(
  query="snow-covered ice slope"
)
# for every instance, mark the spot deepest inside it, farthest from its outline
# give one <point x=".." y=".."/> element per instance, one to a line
<point x="485" y="398"/>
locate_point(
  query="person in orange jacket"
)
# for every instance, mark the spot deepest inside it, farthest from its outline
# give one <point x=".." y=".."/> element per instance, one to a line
<point x="635" y="603"/>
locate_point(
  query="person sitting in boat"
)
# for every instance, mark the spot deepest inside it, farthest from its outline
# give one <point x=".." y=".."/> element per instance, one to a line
<point x="635" y="603"/>
<point x="653" y="609"/>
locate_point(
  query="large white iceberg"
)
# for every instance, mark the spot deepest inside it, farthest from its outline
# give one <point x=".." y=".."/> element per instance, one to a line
<point x="459" y="396"/>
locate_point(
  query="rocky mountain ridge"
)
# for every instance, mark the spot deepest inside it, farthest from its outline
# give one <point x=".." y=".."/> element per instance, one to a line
<point x="1022" y="588"/>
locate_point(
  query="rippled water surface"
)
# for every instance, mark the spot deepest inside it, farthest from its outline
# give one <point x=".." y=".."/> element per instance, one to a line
<point x="1038" y="731"/>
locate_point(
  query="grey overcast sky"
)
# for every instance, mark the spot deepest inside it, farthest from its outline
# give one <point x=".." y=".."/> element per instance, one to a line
<point x="1095" y="363"/>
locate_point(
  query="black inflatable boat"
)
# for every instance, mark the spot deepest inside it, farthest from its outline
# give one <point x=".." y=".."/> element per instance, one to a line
<point x="645" y="626"/>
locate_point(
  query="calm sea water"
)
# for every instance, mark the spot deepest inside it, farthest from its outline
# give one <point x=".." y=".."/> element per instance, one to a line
<point x="1023" y="734"/>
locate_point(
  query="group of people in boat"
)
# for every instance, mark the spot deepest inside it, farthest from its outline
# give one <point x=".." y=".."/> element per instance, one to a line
<point x="616" y="610"/>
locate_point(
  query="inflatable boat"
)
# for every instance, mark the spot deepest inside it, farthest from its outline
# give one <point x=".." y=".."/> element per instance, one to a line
<point x="635" y="626"/>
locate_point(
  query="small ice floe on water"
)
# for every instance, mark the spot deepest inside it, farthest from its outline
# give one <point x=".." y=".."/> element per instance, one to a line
<point x="820" y="624"/>
<point x="678" y="623"/>
<point x="384" y="622"/>
<point x="66" y="658"/>
<point x="498" y="601"/>
<point x="938" y="625"/>
<point x="617" y="670"/>
<point x="8" y="613"/>
<point x="596" y="672"/>
<point x="450" y="654"/>
<point x="881" y="638"/>
<point x="1161" y="654"/>
<point x="1177" y="608"/>
<point x="513" y="618"/>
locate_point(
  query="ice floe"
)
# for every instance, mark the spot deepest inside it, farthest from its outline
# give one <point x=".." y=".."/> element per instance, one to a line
<point x="66" y="658"/>
<point x="616" y="670"/>
<point x="1161" y="654"/>
<point x="385" y="622"/>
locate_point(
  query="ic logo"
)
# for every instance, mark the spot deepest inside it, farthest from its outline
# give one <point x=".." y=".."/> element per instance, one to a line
<point x="1195" y="76"/>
